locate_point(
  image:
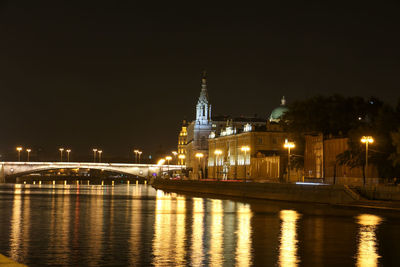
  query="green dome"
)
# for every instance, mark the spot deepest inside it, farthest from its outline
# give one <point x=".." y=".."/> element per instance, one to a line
<point x="278" y="112"/>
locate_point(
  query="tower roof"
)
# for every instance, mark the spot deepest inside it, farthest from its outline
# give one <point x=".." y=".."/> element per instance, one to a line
<point x="203" y="98"/>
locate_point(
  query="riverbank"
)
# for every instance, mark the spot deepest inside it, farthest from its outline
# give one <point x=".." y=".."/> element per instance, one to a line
<point x="6" y="262"/>
<point x="310" y="193"/>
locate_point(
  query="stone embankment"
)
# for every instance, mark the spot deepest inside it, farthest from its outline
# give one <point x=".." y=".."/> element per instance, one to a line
<point x="315" y="193"/>
<point x="6" y="262"/>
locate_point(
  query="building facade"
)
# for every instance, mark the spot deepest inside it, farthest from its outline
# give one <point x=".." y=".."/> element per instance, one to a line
<point x="254" y="154"/>
<point x="320" y="162"/>
<point x="182" y="143"/>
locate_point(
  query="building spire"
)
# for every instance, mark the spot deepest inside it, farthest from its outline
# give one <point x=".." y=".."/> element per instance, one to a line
<point x="204" y="80"/>
<point x="283" y="101"/>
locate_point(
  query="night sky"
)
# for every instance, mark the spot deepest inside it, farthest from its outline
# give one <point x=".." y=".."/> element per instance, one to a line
<point x="119" y="76"/>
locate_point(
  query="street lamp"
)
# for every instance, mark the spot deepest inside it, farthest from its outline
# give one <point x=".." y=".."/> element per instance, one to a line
<point x="168" y="158"/>
<point x="199" y="156"/>
<point x="366" y="140"/>
<point x="61" y="153"/>
<point x="245" y="149"/>
<point x="160" y="163"/>
<point x="19" y="149"/>
<point x="288" y="146"/>
<point x="68" y="151"/>
<point x="100" y="151"/>
<point x="28" y="151"/>
<point x="217" y="153"/>
<point x="140" y="153"/>
<point x="136" y="151"/>
<point x="94" y="154"/>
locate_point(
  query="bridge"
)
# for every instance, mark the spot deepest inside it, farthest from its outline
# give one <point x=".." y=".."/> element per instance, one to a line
<point x="24" y="168"/>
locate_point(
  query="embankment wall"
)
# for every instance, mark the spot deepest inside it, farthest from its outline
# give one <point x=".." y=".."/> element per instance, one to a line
<point x="329" y="194"/>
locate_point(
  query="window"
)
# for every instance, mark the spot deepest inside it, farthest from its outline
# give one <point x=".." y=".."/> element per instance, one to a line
<point x="259" y="140"/>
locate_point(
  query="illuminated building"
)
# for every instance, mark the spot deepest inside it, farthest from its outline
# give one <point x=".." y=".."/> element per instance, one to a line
<point x="182" y="142"/>
<point x="199" y="130"/>
<point x="250" y="152"/>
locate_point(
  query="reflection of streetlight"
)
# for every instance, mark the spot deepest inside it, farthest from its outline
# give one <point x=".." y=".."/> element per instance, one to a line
<point x="199" y="156"/>
<point x="140" y="153"/>
<point x="245" y="149"/>
<point x="100" y="151"/>
<point x="168" y="158"/>
<point x="19" y="149"/>
<point x="288" y="146"/>
<point x="136" y="151"/>
<point x="217" y="153"/>
<point x="28" y="151"/>
<point x="94" y="154"/>
<point x="68" y="151"/>
<point x="61" y="153"/>
<point x="366" y="140"/>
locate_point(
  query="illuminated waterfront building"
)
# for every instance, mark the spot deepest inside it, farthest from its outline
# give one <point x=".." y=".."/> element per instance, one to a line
<point x="182" y="142"/>
<point x="204" y="126"/>
<point x="251" y="152"/>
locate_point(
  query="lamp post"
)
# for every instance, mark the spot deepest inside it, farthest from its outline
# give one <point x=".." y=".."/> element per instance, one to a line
<point x="288" y="146"/>
<point x="100" y="152"/>
<point x="61" y="153"/>
<point x="68" y="151"/>
<point x="168" y="158"/>
<point x="199" y="156"/>
<point x="19" y="149"/>
<point x="217" y="153"/>
<point x="140" y="153"/>
<point x="28" y="151"/>
<point x="160" y="163"/>
<point x="136" y="151"/>
<point x="94" y="154"/>
<point x="182" y="158"/>
<point x="245" y="149"/>
<point x="366" y="140"/>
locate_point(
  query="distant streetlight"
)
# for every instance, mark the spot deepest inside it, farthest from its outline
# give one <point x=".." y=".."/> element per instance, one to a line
<point x="94" y="154"/>
<point x="140" y="154"/>
<point x="245" y="149"/>
<point x="61" y="153"/>
<point x="199" y="156"/>
<point x="100" y="152"/>
<point x="288" y="146"/>
<point x="19" y="149"/>
<point x="160" y="163"/>
<point x="28" y="151"/>
<point x="366" y="140"/>
<point x="68" y="151"/>
<point x="136" y="151"/>
<point x="168" y="158"/>
<point x="217" y="153"/>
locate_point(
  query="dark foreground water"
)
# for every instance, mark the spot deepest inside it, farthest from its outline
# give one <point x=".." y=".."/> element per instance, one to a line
<point x="139" y="226"/>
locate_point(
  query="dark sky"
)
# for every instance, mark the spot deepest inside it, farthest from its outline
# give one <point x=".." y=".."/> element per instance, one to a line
<point x="120" y="75"/>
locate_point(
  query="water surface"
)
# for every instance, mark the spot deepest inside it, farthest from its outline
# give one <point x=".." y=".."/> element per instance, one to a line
<point x="136" y="225"/>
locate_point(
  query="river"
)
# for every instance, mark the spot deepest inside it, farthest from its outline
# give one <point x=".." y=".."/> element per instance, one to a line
<point x="136" y="225"/>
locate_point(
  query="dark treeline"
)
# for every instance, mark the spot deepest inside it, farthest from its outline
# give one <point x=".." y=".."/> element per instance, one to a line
<point x="352" y="117"/>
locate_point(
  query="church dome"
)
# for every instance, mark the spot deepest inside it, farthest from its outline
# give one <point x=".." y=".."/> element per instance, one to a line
<point x="278" y="112"/>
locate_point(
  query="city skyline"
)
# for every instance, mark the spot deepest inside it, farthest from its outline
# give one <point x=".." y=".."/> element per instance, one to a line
<point x="121" y="76"/>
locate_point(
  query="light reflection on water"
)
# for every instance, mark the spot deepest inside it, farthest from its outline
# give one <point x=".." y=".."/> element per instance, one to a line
<point x="288" y="246"/>
<point x="136" y="225"/>
<point x="367" y="255"/>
